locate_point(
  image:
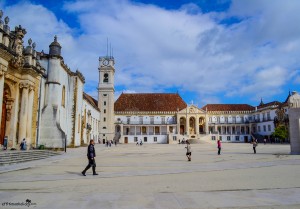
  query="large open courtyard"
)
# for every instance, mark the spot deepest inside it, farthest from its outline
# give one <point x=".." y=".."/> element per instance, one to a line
<point x="158" y="176"/>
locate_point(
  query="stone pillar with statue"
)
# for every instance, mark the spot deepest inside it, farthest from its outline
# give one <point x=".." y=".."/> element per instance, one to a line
<point x="294" y="122"/>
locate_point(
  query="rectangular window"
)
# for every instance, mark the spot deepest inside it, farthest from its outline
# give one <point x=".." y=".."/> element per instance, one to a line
<point x="174" y="138"/>
<point x="104" y="95"/>
<point x="104" y="103"/>
<point x="104" y="111"/>
<point x="104" y="119"/>
<point x="228" y="138"/>
<point x="258" y="128"/>
<point x="237" y="138"/>
<point x="135" y="139"/>
<point x="220" y="137"/>
<point x="268" y="116"/>
<point x="104" y="127"/>
<point x="145" y="139"/>
<point x="265" y="128"/>
<point x="155" y="139"/>
<point x="213" y="138"/>
<point x="269" y="127"/>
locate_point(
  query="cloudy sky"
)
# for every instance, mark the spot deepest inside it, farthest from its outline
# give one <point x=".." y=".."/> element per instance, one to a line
<point x="220" y="51"/>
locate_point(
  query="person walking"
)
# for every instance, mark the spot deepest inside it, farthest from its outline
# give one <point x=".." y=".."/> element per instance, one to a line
<point x="91" y="154"/>
<point x="188" y="150"/>
<point x="254" y="145"/>
<point x="265" y="141"/>
<point x="219" y="146"/>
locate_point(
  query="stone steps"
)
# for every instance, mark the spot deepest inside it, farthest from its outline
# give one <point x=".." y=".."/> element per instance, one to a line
<point x="13" y="157"/>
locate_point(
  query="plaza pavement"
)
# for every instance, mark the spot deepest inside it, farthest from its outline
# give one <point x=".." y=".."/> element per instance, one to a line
<point x="158" y="176"/>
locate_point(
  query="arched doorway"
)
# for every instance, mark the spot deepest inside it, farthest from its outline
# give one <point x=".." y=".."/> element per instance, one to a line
<point x="6" y="96"/>
<point x="192" y="125"/>
<point x="182" y="125"/>
<point x="201" y="125"/>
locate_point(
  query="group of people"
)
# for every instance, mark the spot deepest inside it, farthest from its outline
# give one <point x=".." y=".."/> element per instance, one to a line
<point x="91" y="154"/>
<point x="254" y="143"/>
<point x="139" y="142"/>
<point x="109" y="143"/>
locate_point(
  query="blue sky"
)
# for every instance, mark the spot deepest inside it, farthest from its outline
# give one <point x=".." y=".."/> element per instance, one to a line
<point x="209" y="51"/>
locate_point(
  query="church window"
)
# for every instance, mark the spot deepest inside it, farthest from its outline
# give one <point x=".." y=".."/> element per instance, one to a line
<point x="104" y="103"/>
<point x="104" y="119"/>
<point x="105" y="79"/>
<point x="104" y="111"/>
<point x="145" y="139"/>
<point x="63" y="96"/>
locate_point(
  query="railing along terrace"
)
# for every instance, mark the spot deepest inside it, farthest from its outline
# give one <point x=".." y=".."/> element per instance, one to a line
<point x="146" y="122"/>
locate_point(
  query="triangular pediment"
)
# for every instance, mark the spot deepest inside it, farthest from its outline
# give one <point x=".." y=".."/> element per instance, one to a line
<point x="192" y="109"/>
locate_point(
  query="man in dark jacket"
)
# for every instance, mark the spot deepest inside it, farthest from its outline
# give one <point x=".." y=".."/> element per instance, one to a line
<point x="91" y="154"/>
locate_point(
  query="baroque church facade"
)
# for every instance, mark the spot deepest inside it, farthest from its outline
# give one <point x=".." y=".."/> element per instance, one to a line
<point x="44" y="102"/>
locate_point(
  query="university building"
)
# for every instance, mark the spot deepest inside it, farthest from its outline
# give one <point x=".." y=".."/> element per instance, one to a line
<point x="43" y="101"/>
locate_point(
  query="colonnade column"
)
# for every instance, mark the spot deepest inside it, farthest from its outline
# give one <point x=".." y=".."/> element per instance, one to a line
<point x="23" y="111"/>
<point x="197" y="124"/>
<point x="29" y="114"/>
<point x="187" y="125"/>
<point x="3" y="69"/>
<point x="206" y="124"/>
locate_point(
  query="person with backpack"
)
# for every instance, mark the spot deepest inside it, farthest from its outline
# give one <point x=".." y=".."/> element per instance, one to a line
<point x="23" y="145"/>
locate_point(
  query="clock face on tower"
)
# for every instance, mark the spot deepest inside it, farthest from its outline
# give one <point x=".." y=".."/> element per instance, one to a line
<point x="105" y="62"/>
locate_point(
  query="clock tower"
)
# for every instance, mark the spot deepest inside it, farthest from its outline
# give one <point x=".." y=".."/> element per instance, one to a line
<point x="106" y="99"/>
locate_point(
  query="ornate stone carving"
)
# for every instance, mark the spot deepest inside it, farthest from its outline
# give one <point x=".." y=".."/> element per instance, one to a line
<point x="294" y="100"/>
<point x="3" y="69"/>
<point x="24" y="85"/>
<point x="31" y="87"/>
<point x="17" y="46"/>
<point x="9" y="104"/>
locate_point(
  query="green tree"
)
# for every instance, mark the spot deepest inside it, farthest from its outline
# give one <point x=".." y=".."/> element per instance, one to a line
<point x="280" y="133"/>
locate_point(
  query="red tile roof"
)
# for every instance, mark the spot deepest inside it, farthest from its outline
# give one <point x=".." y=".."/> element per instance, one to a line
<point x="149" y="102"/>
<point x="228" y="107"/>
<point x="91" y="100"/>
<point x="270" y="104"/>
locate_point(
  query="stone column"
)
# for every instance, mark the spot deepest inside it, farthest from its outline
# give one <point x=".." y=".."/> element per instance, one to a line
<point x="3" y="69"/>
<point x="187" y="125"/>
<point x="29" y="114"/>
<point x="206" y="124"/>
<point x="197" y="124"/>
<point x="23" y="111"/>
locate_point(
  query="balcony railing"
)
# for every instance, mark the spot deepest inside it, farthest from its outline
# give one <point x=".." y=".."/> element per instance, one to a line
<point x="146" y="122"/>
<point x="147" y="134"/>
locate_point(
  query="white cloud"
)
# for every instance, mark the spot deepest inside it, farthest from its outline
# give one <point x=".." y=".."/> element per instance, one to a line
<point x="157" y="49"/>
